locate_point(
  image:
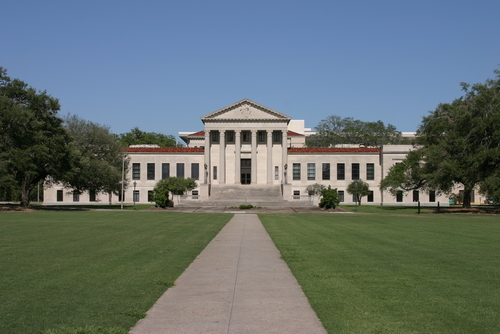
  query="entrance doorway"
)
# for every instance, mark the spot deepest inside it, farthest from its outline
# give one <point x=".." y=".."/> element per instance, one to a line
<point x="246" y="171"/>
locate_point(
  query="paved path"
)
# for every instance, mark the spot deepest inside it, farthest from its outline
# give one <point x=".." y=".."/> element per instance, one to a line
<point x="238" y="284"/>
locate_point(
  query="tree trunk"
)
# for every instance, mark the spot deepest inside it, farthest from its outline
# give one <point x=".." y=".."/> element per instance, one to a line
<point x="25" y="194"/>
<point x="467" y="197"/>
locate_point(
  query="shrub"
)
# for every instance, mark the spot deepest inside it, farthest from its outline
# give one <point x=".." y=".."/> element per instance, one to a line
<point x="329" y="198"/>
<point x="245" y="206"/>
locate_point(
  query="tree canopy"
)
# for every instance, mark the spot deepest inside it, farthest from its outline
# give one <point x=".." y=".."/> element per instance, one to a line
<point x="359" y="188"/>
<point x="173" y="185"/>
<point x="408" y="175"/>
<point x="335" y="130"/>
<point x="33" y="141"/>
<point x="138" y="137"/>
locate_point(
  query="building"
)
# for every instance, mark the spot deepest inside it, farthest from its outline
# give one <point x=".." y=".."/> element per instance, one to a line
<point x="250" y="154"/>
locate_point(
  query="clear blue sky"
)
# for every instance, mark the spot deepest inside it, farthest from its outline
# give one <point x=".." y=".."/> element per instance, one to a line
<point x="161" y="65"/>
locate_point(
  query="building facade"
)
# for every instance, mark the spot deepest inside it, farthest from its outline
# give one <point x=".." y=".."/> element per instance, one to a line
<point x="248" y="153"/>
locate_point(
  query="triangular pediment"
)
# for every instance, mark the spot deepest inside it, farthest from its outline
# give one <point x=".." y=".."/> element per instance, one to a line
<point x="247" y="111"/>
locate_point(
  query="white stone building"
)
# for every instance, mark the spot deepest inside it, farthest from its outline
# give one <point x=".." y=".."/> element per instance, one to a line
<point x="250" y="154"/>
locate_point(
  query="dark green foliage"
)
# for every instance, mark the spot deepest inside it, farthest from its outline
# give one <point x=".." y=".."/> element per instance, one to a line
<point x="359" y="188"/>
<point x="408" y="175"/>
<point x="137" y="137"/>
<point x="337" y="130"/>
<point x="173" y="185"/>
<point x="245" y="206"/>
<point x="329" y="198"/>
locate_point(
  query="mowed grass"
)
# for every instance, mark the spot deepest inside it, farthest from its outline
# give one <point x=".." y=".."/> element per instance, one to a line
<point x="96" y="270"/>
<point x="395" y="273"/>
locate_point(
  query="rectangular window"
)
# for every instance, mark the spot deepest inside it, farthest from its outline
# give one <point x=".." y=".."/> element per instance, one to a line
<point x="245" y="136"/>
<point x="340" y="171"/>
<point x="136" y="196"/>
<point x="296" y="171"/>
<point x="355" y="171"/>
<point x="432" y="196"/>
<point x="60" y="195"/>
<point x="214" y="175"/>
<point x="195" y="194"/>
<point x="165" y="170"/>
<point x="180" y="169"/>
<point x="296" y="194"/>
<point x="92" y="197"/>
<point x="326" y="171"/>
<point x="341" y="195"/>
<point x="370" y="171"/>
<point x="195" y="171"/>
<point x="262" y="136"/>
<point x="369" y="198"/>
<point x="277" y="137"/>
<point x="276" y="173"/>
<point x="230" y="137"/>
<point x="311" y="171"/>
<point x="136" y="171"/>
<point x="399" y="196"/>
<point x="215" y="136"/>
<point x="151" y="171"/>
<point x="416" y="196"/>
<point x="76" y="196"/>
<point x="150" y="196"/>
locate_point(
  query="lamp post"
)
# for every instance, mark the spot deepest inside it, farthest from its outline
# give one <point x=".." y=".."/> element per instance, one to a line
<point x="123" y="178"/>
<point x="133" y="195"/>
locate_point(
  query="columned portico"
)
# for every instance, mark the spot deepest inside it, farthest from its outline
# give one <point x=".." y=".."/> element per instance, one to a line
<point x="222" y="157"/>
<point x="237" y="156"/>
<point x="269" y="156"/>
<point x="254" y="156"/>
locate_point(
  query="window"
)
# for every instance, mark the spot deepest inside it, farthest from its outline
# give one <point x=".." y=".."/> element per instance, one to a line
<point x="276" y="136"/>
<point x="370" y="171"/>
<point x="245" y="136"/>
<point x="326" y="172"/>
<point x="276" y="173"/>
<point x="341" y="195"/>
<point x="215" y="136"/>
<point x="59" y="195"/>
<point x="151" y="171"/>
<point x="136" y="171"/>
<point x="432" y="196"/>
<point x="416" y="196"/>
<point x="296" y="194"/>
<point x="399" y="196"/>
<point x="180" y="170"/>
<point x="311" y="171"/>
<point x="340" y="171"/>
<point x="214" y="175"/>
<point x="195" y="194"/>
<point x="76" y="196"/>
<point x="355" y="171"/>
<point x="165" y="171"/>
<point x="261" y="136"/>
<point x="230" y="137"/>
<point x="150" y="196"/>
<point x="296" y="171"/>
<point x="369" y="198"/>
<point x="136" y="196"/>
<point x="195" y="171"/>
<point x="92" y="197"/>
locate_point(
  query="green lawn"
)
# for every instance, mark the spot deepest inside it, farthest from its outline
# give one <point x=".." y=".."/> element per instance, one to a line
<point x="391" y="273"/>
<point x="62" y="270"/>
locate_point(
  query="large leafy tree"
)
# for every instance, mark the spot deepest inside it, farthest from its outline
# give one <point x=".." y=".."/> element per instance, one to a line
<point x="359" y="188"/>
<point x="460" y="141"/>
<point x="336" y="130"/>
<point x="33" y="141"/>
<point x="137" y="137"/>
<point x="97" y="157"/>
<point x="173" y="185"/>
<point x="408" y="175"/>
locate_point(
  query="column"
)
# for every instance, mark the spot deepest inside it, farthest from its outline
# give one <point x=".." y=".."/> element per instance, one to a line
<point x="222" y="157"/>
<point x="237" y="156"/>
<point x="284" y="157"/>
<point x="206" y="167"/>
<point x="269" y="143"/>
<point x="254" y="156"/>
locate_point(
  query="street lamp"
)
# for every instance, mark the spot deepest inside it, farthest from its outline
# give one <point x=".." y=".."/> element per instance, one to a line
<point x="135" y="183"/>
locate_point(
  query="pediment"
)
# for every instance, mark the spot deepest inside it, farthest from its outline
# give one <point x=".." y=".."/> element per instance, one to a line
<point x="245" y="111"/>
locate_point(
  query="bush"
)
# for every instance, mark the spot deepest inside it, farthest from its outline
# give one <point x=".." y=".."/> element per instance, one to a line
<point x="245" y="206"/>
<point x="329" y="198"/>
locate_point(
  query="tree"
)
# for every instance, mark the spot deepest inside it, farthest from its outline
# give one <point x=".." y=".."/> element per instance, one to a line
<point x="336" y="130"/>
<point x="460" y="140"/>
<point x="329" y="198"/>
<point x="408" y="175"/>
<point x="359" y="188"/>
<point x="33" y="142"/>
<point x="173" y="185"/>
<point x="137" y="137"/>
<point x="97" y="158"/>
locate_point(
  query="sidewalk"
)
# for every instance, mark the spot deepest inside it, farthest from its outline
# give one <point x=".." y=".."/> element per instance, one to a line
<point x="238" y="284"/>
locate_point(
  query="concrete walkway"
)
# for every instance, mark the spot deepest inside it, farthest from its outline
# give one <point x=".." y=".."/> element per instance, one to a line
<point x="238" y="284"/>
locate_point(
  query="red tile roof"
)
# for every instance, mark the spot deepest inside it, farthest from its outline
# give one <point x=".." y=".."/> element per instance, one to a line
<point x="293" y="134"/>
<point x="333" y="150"/>
<point x="164" y="149"/>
